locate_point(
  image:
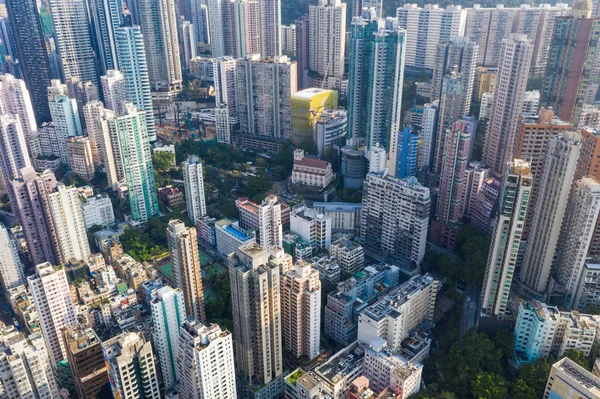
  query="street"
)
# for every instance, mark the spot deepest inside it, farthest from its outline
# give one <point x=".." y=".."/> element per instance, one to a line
<point x="468" y="317"/>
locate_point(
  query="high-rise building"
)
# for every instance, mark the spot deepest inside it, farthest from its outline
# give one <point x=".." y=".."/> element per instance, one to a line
<point x="84" y="353"/>
<point x="158" y="21"/>
<point x="31" y="207"/>
<point x="69" y="228"/>
<point x="426" y="28"/>
<point x="270" y="27"/>
<point x="501" y="135"/>
<point x="269" y="222"/>
<point x="215" y="10"/>
<point x="307" y="106"/>
<point x="459" y="55"/>
<point x="247" y="28"/>
<point x="193" y="180"/>
<point x="65" y="117"/>
<point x="578" y="228"/>
<point x="327" y="38"/>
<point x="205" y="361"/>
<point x="134" y="67"/>
<point x="375" y="84"/>
<point x="408" y="148"/>
<point x="11" y="268"/>
<point x="551" y="197"/>
<point x="131" y="366"/>
<point x="200" y="21"/>
<point x="453" y="180"/>
<point x="302" y="50"/>
<point x="264" y="89"/>
<point x="256" y="308"/>
<point x="31" y="52"/>
<point x="288" y="39"/>
<point x="105" y="17"/>
<point x="506" y="238"/>
<point x="248" y="214"/>
<point x="137" y="164"/>
<point x="104" y="140"/>
<point x="52" y="298"/>
<point x="225" y="83"/>
<point x="185" y="258"/>
<point x="114" y="90"/>
<point x="301" y="310"/>
<point x="589" y="165"/>
<point x="73" y="40"/>
<point x="15" y="99"/>
<point x="81" y="159"/>
<point x="13" y="147"/>
<point x="571" y="62"/>
<point x="531" y="102"/>
<point x="312" y="226"/>
<point x="394" y="218"/>
<point x="568" y="379"/>
<point x="168" y="313"/>
<point x="187" y="43"/>
<point x="428" y="135"/>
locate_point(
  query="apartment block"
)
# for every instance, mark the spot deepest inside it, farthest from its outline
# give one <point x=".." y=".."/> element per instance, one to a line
<point x="568" y="379"/>
<point x="348" y="254"/>
<point x="312" y="227"/>
<point x="229" y="236"/>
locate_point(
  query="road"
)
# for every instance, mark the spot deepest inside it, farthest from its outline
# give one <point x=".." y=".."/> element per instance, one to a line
<point x="468" y="317"/>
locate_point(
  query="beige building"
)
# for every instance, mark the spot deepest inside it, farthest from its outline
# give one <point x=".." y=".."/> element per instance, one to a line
<point x="301" y="310"/>
<point x="567" y="379"/>
<point x="311" y="172"/>
<point x="81" y="159"/>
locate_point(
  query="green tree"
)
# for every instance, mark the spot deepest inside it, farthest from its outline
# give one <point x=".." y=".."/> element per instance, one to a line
<point x="489" y="386"/>
<point x="535" y="375"/>
<point x="520" y="390"/>
<point x="504" y="340"/>
<point x="578" y="357"/>
<point x="162" y="161"/>
<point x="228" y="209"/>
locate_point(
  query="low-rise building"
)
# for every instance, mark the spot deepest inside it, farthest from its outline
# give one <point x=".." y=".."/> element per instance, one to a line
<point x="568" y="379"/>
<point x="312" y="227"/>
<point x="329" y="270"/>
<point x="311" y="172"/>
<point x="348" y="254"/>
<point x="205" y="228"/>
<point x="81" y="161"/>
<point x="171" y="197"/>
<point x="345" y="216"/>
<point x="230" y="237"/>
<point x="97" y="211"/>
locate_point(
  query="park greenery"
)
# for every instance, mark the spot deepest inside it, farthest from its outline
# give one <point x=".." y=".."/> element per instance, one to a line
<point x="218" y="303"/>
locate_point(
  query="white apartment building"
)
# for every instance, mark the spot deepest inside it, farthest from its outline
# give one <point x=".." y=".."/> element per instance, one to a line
<point x="386" y="369"/>
<point x="52" y="298"/>
<point x="327" y="38"/>
<point x="395" y="218"/>
<point x="345" y="216"/>
<point x="13" y="147"/>
<point x="27" y="358"/>
<point x="15" y="99"/>
<point x="269" y="222"/>
<point x="188" y="43"/>
<point x="588" y="288"/>
<point x="348" y="254"/>
<point x="500" y="138"/>
<point x="428" y="134"/>
<point x="81" y="159"/>
<point x="69" y="226"/>
<point x="550" y="207"/>
<point x="225" y="83"/>
<point x="578" y="229"/>
<point x="168" y="312"/>
<point x="65" y="117"/>
<point x="313" y="227"/>
<point x="288" y="39"/>
<point x="310" y="171"/>
<point x="485" y="109"/>
<point x="264" y="90"/>
<point x="193" y="181"/>
<point x="91" y="116"/>
<point x="301" y="310"/>
<point x="223" y="124"/>
<point x="397" y="314"/>
<point x="130" y="360"/>
<point x="97" y="211"/>
<point x="247" y="27"/>
<point x="531" y="103"/>
<point x="427" y="27"/>
<point x="114" y="90"/>
<point x="568" y="379"/>
<point x="11" y="267"/>
<point x="517" y="188"/>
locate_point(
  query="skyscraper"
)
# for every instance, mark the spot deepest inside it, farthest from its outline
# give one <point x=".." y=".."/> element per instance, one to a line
<point x="133" y="66"/>
<point x="137" y="164"/>
<point x="269" y="222"/>
<point x="247" y="29"/>
<point x="185" y="258"/>
<point x="188" y="43"/>
<point x="31" y="207"/>
<point x="205" y="361"/>
<point x="577" y="231"/>
<point x="302" y="50"/>
<point x="394" y="218"/>
<point x="65" y="117"/>
<point x="572" y="62"/>
<point x="551" y="197"/>
<point x="168" y="313"/>
<point x="130" y="361"/>
<point x="500" y="138"/>
<point x="301" y="310"/>
<point x="408" y="146"/>
<point x="428" y="135"/>
<point x="13" y="147"/>
<point x="84" y="353"/>
<point x="11" y="267"/>
<point x="193" y="180"/>
<point x="327" y="38"/>
<point x="15" y="99"/>
<point x="71" y="236"/>
<point x="270" y="27"/>
<point x="506" y="238"/>
<point x="114" y="90"/>
<point x="73" y="41"/>
<point x="459" y="55"/>
<point x="106" y="16"/>
<point x="264" y="89"/>
<point x="158" y="21"/>
<point x="31" y="51"/>
<point x="375" y="84"/>
<point x="450" y="109"/>
<point x="52" y="298"/>
<point x="200" y="21"/>
<point x="225" y="83"/>
<point x="256" y="308"/>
